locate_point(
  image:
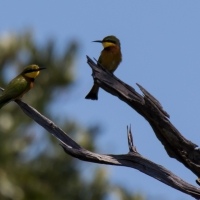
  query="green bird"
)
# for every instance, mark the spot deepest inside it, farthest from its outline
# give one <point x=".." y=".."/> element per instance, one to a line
<point x="110" y="58"/>
<point x="20" y="84"/>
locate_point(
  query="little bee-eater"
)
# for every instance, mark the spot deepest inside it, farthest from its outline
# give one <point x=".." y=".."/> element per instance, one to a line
<point x="110" y="58"/>
<point x="20" y="84"/>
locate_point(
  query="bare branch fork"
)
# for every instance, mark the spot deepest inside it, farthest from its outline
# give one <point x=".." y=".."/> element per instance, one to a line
<point x="132" y="159"/>
<point x="175" y="144"/>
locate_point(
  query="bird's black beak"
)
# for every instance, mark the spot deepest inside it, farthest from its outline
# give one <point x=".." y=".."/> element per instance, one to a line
<point x="100" y="41"/>
<point x="41" y="68"/>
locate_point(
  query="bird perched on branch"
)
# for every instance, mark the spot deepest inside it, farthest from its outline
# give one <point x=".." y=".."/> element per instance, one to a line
<point x="20" y="84"/>
<point x="110" y="58"/>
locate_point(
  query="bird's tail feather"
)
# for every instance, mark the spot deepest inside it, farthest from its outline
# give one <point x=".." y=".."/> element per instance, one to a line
<point x="3" y="101"/>
<point x="93" y="94"/>
<point x="2" y="104"/>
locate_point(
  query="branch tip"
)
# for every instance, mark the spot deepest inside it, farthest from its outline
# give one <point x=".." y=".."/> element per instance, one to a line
<point x="95" y="60"/>
<point x="1" y="89"/>
<point x="132" y="148"/>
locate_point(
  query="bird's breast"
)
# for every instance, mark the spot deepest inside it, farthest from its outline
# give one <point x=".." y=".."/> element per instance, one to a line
<point x="110" y="58"/>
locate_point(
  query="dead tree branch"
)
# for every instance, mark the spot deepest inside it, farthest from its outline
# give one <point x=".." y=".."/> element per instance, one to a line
<point x="174" y="143"/>
<point x="132" y="159"/>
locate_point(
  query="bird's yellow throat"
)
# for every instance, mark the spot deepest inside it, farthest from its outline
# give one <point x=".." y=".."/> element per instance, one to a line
<point x="32" y="74"/>
<point x="108" y="44"/>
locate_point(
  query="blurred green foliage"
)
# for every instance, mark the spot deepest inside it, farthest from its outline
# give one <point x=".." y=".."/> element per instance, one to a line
<point x="32" y="164"/>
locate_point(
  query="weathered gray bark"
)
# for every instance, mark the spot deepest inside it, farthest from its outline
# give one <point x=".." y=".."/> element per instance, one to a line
<point x="175" y="144"/>
<point x="132" y="159"/>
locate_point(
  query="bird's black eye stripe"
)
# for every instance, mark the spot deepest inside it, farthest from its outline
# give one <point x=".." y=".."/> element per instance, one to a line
<point x="114" y="42"/>
<point x="31" y="70"/>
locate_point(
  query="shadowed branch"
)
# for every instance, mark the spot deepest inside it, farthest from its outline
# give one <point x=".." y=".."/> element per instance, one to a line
<point x="132" y="159"/>
<point x="149" y="107"/>
<point x="175" y="144"/>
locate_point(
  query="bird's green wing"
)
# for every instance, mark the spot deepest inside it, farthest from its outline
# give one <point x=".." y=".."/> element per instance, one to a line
<point x="14" y="90"/>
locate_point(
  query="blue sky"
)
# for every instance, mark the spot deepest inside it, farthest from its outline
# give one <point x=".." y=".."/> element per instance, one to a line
<point x="160" y="45"/>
